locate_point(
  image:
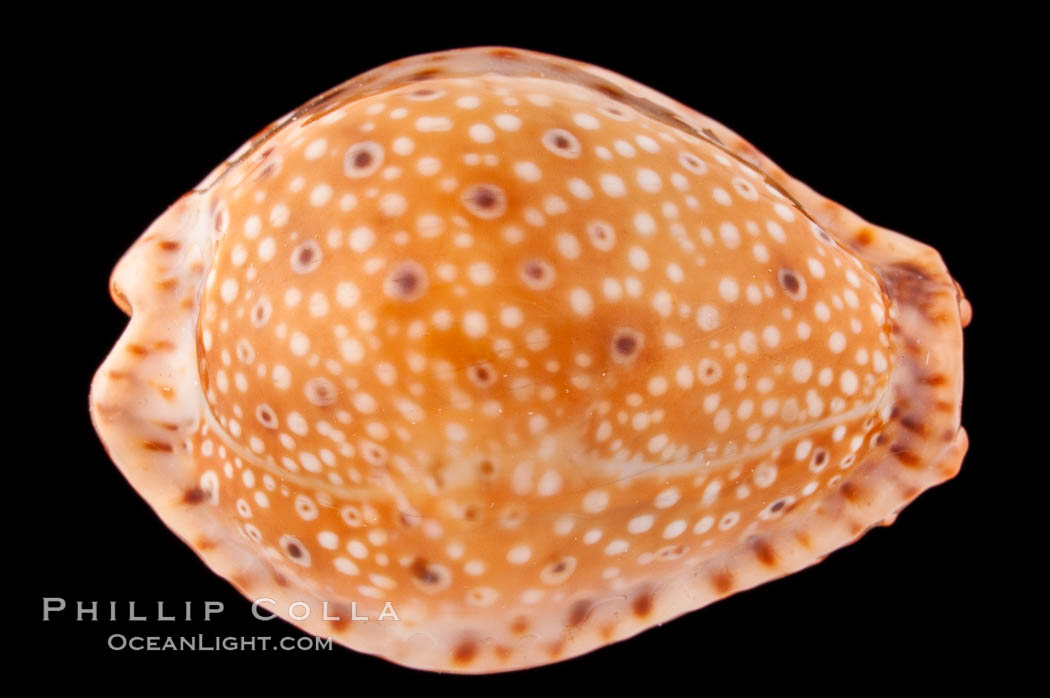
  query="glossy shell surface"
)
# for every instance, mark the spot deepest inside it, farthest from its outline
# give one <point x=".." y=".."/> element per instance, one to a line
<point x="525" y="354"/>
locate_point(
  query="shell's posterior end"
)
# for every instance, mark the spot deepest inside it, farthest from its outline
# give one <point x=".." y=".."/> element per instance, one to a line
<point x="965" y="309"/>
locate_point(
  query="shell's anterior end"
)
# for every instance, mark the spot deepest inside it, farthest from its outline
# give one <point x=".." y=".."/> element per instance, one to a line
<point x="518" y="358"/>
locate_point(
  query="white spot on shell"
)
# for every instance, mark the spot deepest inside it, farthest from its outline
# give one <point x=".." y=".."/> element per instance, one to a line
<point x="612" y="185"/>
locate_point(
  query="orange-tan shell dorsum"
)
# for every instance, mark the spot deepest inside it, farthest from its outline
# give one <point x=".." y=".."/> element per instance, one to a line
<point x="526" y="353"/>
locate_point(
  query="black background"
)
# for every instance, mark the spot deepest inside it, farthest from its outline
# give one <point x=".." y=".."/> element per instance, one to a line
<point x="898" y="122"/>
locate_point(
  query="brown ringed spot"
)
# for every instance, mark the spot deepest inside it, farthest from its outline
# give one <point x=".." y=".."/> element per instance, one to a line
<point x="320" y="391"/>
<point x="562" y="143"/>
<point x="425" y="94"/>
<point x="602" y="235"/>
<point x="557" y="571"/>
<point x="792" y="283"/>
<point x="363" y="159"/>
<point x="823" y="235"/>
<point x="615" y="112"/>
<point x="265" y="415"/>
<point x="537" y="274"/>
<point x="819" y="461"/>
<point x="708" y="371"/>
<point x="245" y="351"/>
<point x="669" y="553"/>
<point x="777" y="508"/>
<point x="373" y="453"/>
<point x="485" y="201"/>
<point x="745" y="188"/>
<point x="221" y="218"/>
<point x="269" y="169"/>
<point x="626" y="345"/>
<point x="306" y="257"/>
<point x="294" y="550"/>
<point x="261" y="311"/>
<point x="692" y="163"/>
<point x="407" y="281"/>
<point x="351" y="516"/>
<point x="430" y="577"/>
<point x="252" y="533"/>
<point x="482" y="374"/>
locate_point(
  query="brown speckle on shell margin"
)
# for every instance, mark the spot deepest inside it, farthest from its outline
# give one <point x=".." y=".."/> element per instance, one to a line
<point x="194" y="495"/>
<point x="764" y="551"/>
<point x="465" y="651"/>
<point x="642" y="604"/>
<point x="722" y="582"/>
